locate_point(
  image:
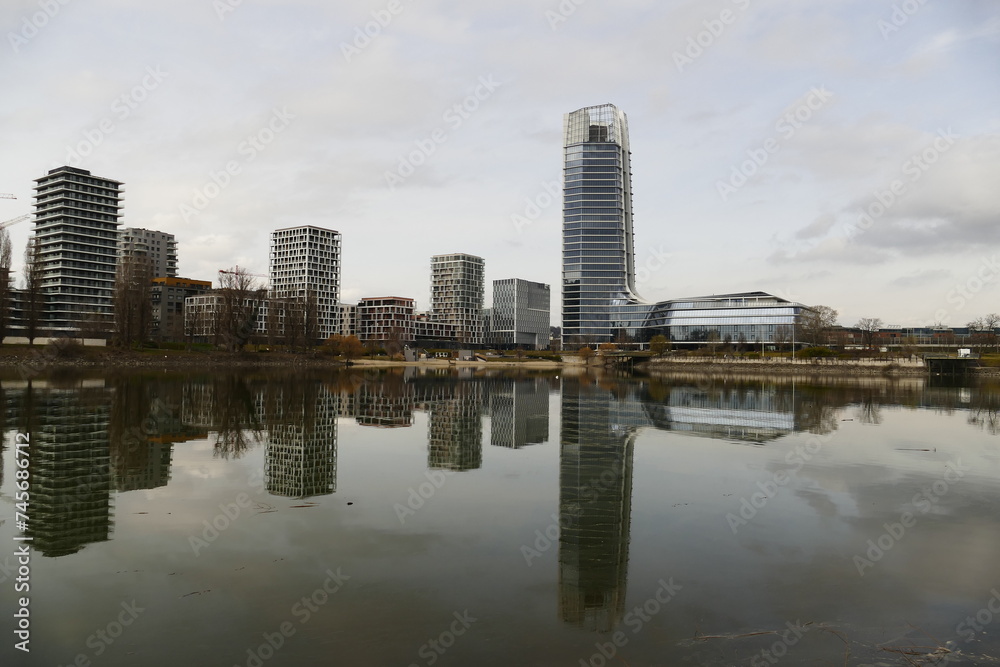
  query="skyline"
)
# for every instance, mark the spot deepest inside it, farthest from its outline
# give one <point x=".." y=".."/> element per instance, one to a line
<point x="825" y="106"/>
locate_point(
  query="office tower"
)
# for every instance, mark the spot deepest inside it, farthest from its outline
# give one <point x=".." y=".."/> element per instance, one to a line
<point x="305" y="269"/>
<point x="457" y="295"/>
<point x="159" y="248"/>
<point x="600" y="303"/>
<point x="598" y="266"/>
<point x="520" y="314"/>
<point x="76" y="228"/>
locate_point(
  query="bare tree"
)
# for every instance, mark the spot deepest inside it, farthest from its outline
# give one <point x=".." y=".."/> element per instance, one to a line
<point x="34" y="298"/>
<point x="813" y="324"/>
<point x="782" y="335"/>
<point x="6" y="250"/>
<point x="237" y="313"/>
<point x="132" y="305"/>
<point x="869" y="327"/>
<point x="990" y="324"/>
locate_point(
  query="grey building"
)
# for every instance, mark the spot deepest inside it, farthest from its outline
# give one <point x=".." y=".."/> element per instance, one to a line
<point x="167" y="296"/>
<point x="160" y="248"/>
<point x="76" y="228"/>
<point x="600" y="303"/>
<point x="457" y="291"/>
<point x="520" y="314"/>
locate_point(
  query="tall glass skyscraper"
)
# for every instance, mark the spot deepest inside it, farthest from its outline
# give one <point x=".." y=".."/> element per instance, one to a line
<point x="600" y="303"/>
<point x="598" y="264"/>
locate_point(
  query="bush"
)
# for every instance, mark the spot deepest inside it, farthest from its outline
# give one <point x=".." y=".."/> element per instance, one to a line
<point x="812" y="352"/>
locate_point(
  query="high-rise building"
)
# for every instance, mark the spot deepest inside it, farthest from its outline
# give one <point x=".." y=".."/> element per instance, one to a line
<point x="457" y="287"/>
<point x="159" y="247"/>
<point x="520" y="314"/>
<point x="598" y="266"/>
<point x="305" y="267"/>
<point x="76" y="228"/>
<point x="600" y="303"/>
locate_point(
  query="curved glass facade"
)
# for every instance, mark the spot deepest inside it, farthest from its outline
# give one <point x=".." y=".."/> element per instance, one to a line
<point x="600" y="303"/>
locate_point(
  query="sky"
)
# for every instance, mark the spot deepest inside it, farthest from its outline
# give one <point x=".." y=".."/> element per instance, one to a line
<point x="840" y="153"/>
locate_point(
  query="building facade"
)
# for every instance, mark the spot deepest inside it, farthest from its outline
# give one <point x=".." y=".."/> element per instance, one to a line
<point x="348" y="319"/>
<point x="305" y="265"/>
<point x="385" y="319"/>
<point x="159" y="247"/>
<point x="457" y="291"/>
<point x="76" y="229"/>
<point x="167" y="296"/>
<point x="520" y="314"/>
<point x="600" y="303"/>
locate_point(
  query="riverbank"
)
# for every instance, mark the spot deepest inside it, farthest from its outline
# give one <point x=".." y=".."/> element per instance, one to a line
<point x="780" y="366"/>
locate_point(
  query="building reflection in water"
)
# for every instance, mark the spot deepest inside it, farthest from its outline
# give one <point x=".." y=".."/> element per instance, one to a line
<point x="595" y="505"/>
<point x="598" y="430"/>
<point x="519" y="412"/>
<point x="455" y="433"/>
<point x="301" y="456"/>
<point x="70" y="465"/>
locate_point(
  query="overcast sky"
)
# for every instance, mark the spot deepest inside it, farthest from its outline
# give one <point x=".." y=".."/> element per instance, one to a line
<point x="829" y="101"/>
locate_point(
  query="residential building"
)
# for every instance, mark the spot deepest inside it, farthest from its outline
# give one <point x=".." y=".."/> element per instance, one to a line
<point x="167" y="296"/>
<point x="520" y="314"/>
<point x="348" y="319"/>
<point x="600" y="302"/>
<point x="385" y="319"/>
<point x="159" y="247"/>
<point x="203" y="312"/>
<point x="457" y="290"/>
<point x="76" y="228"/>
<point x="305" y="268"/>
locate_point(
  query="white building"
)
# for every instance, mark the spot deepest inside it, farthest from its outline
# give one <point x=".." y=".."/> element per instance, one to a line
<point x="305" y="263"/>
<point x="159" y="247"/>
<point x="457" y="295"/>
<point x="520" y="314"/>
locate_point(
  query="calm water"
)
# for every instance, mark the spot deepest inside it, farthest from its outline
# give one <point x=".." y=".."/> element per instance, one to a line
<point x="436" y="519"/>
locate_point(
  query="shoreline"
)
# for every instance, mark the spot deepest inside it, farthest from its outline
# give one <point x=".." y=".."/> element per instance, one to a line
<point x="41" y="359"/>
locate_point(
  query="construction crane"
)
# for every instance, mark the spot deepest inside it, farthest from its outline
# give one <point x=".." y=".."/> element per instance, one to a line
<point x="236" y="269"/>
<point x="14" y="221"/>
<point x="4" y="195"/>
